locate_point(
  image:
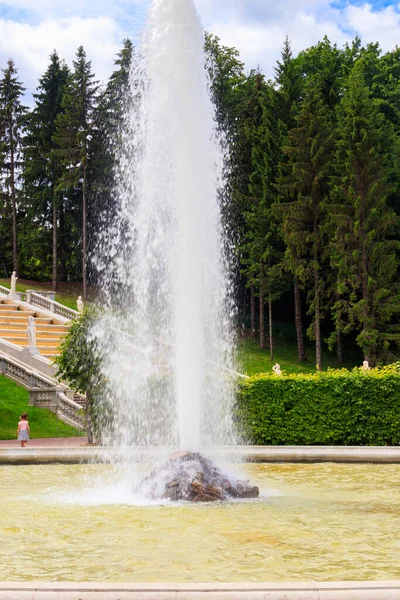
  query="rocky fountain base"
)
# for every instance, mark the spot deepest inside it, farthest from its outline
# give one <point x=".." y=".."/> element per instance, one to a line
<point x="188" y="476"/>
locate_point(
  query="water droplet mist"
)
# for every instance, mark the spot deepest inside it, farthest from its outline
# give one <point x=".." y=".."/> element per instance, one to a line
<point x="167" y="326"/>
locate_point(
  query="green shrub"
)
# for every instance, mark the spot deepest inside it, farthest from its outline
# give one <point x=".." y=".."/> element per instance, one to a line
<point x="333" y="408"/>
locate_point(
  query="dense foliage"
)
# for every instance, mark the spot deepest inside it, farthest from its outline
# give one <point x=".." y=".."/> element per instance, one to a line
<point x="310" y="202"/>
<point x="79" y="363"/>
<point x="334" y="408"/>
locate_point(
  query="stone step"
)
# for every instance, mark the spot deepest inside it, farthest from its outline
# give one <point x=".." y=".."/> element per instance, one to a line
<point x="48" y="351"/>
<point x="18" y="313"/>
<point x="42" y="328"/>
<point x="23" y="320"/>
<point x="21" y="333"/>
<point x="48" y="343"/>
<point x="80" y="400"/>
<point x="4" y="305"/>
<point x="22" y="340"/>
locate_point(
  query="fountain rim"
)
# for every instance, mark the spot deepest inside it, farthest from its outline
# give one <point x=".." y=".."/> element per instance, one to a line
<point x="251" y="454"/>
<point x="335" y="590"/>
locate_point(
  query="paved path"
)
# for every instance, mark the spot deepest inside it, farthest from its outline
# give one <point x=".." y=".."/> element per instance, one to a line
<point x="72" y="442"/>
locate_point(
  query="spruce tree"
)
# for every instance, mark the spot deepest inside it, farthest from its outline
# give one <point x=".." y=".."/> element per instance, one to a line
<point x="324" y="63"/>
<point x="74" y="133"/>
<point x="43" y="166"/>
<point x="288" y="81"/>
<point x="226" y="73"/>
<point x="106" y="148"/>
<point x="364" y="249"/>
<point x="306" y="185"/>
<point x="108" y="131"/>
<point x="12" y="118"/>
<point x="260" y="249"/>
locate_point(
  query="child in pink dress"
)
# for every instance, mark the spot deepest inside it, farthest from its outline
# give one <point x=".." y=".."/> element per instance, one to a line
<point x="23" y="430"/>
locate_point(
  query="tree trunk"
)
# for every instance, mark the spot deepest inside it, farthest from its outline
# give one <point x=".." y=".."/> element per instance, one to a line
<point x="262" y="312"/>
<point x="299" y="323"/>
<point x="339" y="344"/>
<point x="253" y="313"/>
<point x="271" y="332"/>
<point x="62" y="270"/>
<point x="365" y="316"/>
<point x="317" y="323"/>
<point x="13" y="199"/>
<point x="339" y="338"/>
<point x="84" y="234"/>
<point x="55" y="241"/>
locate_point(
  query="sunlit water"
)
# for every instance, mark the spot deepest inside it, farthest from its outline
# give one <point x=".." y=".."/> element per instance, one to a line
<point x="322" y="522"/>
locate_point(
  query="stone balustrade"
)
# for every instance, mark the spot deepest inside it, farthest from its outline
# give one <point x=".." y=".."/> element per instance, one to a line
<point x="70" y="411"/>
<point x="44" y="392"/>
<point x="44" y="302"/>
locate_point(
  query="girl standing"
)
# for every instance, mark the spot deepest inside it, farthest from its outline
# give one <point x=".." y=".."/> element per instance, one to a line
<point x="23" y="430"/>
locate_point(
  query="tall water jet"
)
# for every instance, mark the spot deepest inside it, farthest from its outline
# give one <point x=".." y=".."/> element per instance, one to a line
<point x="165" y="331"/>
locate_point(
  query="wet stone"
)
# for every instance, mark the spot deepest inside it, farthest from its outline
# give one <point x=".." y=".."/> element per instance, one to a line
<point x="188" y="476"/>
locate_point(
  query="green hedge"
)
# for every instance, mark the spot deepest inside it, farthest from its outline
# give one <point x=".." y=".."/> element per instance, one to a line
<point x="337" y="407"/>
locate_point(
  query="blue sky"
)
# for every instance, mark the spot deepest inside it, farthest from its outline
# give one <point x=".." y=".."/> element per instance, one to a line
<point x="31" y="29"/>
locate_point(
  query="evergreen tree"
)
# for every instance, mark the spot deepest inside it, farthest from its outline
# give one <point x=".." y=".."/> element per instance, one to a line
<point x="43" y="166"/>
<point x="252" y="200"/>
<point x="227" y="83"/>
<point x="5" y="213"/>
<point x="324" y="63"/>
<point x="12" y="117"/>
<point x="260" y="248"/>
<point x="106" y="148"/>
<point x="364" y="249"/>
<point x="226" y="73"/>
<point x="75" y="128"/>
<point x="107" y="133"/>
<point x="306" y="184"/>
<point x="288" y="80"/>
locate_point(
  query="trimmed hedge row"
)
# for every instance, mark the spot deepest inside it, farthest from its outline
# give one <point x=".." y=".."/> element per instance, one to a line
<point x="333" y="408"/>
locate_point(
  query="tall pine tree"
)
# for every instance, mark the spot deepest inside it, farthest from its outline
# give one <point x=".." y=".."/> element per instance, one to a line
<point x="12" y="118"/>
<point x="364" y="249"/>
<point x="74" y="134"/>
<point x="43" y="166"/>
<point x="260" y="250"/>
<point x="288" y="81"/>
<point x="306" y="184"/>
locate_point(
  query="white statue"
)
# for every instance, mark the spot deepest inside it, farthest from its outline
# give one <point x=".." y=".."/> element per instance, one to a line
<point x="277" y="369"/>
<point x="31" y="333"/>
<point x="13" y="284"/>
<point x="80" y="304"/>
<point x="366" y="366"/>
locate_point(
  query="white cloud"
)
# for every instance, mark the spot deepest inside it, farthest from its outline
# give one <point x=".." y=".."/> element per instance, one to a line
<point x="256" y="27"/>
<point x="260" y="44"/>
<point x="372" y="26"/>
<point x="31" y="45"/>
<point x="54" y="8"/>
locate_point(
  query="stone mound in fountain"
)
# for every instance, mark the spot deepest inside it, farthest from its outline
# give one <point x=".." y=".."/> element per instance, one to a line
<point x="188" y="476"/>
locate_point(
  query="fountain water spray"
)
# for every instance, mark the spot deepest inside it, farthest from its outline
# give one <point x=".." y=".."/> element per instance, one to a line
<point x="160" y="260"/>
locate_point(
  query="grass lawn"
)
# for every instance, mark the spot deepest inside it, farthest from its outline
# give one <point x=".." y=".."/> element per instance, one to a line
<point x="253" y="360"/>
<point x="67" y="295"/>
<point x="43" y="423"/>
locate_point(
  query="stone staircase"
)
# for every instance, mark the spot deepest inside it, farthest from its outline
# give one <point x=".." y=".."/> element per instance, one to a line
<point x="14" y="322"/>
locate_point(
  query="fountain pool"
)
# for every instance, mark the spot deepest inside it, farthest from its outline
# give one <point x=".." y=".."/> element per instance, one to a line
<point x="322" y="522"/>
